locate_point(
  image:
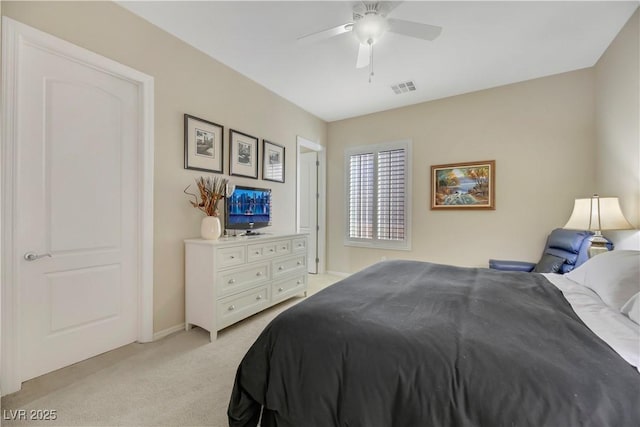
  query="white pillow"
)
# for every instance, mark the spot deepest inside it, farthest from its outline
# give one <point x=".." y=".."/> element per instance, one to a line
<point x="614" y="276"/>
<point x="632" y="308"/>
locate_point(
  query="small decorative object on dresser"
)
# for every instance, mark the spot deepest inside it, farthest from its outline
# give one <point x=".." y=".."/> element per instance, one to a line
<point x="211" y="191"/>
<point x="234" y="277"/>
<point x="210" y="228"/>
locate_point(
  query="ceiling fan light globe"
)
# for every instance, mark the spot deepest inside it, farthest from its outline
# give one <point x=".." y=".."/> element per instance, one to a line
<point x="370" y="28"/>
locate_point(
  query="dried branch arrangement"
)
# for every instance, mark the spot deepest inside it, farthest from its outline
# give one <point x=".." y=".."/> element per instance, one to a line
<point x="211" y="191"/>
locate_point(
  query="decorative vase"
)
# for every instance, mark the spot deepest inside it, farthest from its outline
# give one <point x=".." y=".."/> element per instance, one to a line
<point x="210" y="229"/>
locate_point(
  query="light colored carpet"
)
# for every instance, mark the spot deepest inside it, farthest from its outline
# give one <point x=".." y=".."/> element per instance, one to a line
<point x="181" y="380"/>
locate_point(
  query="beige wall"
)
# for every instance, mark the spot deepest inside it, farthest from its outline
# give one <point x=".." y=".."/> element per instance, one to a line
<point x="618" y="128"/>
<point x="186" y="81"/>
<point x="541" y="134"/>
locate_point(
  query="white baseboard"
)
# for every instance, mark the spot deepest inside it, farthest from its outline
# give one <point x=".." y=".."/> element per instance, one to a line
<point x="161" y="334"/>
<point x="338" y="273"/>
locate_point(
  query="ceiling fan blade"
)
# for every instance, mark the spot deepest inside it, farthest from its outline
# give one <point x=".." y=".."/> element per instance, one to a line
<point x="363" y="56"/>
<point x="414" y="29"/>
<point x="325" y="34"/>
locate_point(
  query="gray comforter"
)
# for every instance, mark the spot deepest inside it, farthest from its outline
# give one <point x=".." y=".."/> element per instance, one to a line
<point x="408" y="344"/>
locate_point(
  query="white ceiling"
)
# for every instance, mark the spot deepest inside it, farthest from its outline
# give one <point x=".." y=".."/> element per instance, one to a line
<point x="482" y="45"/>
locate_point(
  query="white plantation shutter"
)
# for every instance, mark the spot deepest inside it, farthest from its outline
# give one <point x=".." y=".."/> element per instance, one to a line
<point x="361" y="187"/>
<point x="378" y="195"/>
<point x="391" y="194"/>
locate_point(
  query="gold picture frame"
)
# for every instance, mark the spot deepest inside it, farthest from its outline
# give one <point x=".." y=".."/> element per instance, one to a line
<point x="467" y="185"/>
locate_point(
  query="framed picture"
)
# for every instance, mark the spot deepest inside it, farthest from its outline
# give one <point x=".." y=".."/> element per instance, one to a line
<point x="203" y="148"/>
<point x="243" y="154"/>
<point x="468" y="185"/>
<point x="272" y="161"/>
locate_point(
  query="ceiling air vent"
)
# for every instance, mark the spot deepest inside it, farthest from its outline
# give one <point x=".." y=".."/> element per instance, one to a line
<point x="403" y="87"/>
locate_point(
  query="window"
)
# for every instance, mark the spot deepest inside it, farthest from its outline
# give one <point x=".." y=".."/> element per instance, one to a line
<point x="377" y="195"/>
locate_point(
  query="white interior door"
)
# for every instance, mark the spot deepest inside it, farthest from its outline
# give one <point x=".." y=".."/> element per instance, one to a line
<point x="309" y="204"/>
<point x="78" y="129"/>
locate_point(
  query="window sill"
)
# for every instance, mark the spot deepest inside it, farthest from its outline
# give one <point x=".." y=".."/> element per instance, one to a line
<point x="396" y="246"/>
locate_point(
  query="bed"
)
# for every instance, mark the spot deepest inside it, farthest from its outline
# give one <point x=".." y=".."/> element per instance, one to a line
<point x="408" y="343"/>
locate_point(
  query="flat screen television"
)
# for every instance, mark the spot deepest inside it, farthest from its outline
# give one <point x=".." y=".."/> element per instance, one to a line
<point x="248" y="208"/>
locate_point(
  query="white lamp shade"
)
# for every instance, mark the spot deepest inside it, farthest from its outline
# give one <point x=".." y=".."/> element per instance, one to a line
<point x="597" y="213"/>
<point x="370" y="28"/>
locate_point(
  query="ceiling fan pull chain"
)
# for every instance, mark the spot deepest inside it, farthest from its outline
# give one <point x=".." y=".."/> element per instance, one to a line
<point x="370" y="59"/>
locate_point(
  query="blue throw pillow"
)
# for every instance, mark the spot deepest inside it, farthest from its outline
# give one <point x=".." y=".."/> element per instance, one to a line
<point x="549" y="264"/>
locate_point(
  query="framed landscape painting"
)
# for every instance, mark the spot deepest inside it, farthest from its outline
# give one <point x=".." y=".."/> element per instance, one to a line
<point x="469" y="185"/>
<point x="202" y="145"/>
<point x="243" y="154"/>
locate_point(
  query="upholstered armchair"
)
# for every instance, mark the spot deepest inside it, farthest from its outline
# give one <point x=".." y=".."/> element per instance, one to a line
<point x="564" y="250"/>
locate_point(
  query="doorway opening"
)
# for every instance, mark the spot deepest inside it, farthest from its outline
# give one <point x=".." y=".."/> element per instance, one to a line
<point x="311" y="199"/>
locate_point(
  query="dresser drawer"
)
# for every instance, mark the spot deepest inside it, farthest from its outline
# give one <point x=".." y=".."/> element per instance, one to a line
<point x="236" y="307"/>
<point x="285" y="288"/>
<point x="241" y="278"/>
<point x="300" y="244"/>
<point x="229" y="257"/>
<point x="281" y="267"/>
<point x="261" y="251"/>
<point x="283" y="247"/>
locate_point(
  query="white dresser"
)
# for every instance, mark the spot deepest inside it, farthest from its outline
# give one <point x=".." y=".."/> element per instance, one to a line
<point x="229" y="279"/>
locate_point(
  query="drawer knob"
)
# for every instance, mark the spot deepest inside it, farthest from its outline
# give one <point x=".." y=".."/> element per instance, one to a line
<point x="281" y="268"/>
<point x="271" y="250"/>
<point x="259" y="297"/>
<point x="259" y="273"/>
<point x="299" y="245"/>
<point x="299" y="262"/>
<point x="232" y="257"/>
<point x="280" y="289"/>
<point x="232" y="281"/>
<point x="284" y="247"/>
<point x="257" y="252"/>
<point x="299" y="282"/>
<point x="231" y="307"/>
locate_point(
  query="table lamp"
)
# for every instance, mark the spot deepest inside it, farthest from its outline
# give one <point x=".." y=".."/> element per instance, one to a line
<point x="597" y="214"/>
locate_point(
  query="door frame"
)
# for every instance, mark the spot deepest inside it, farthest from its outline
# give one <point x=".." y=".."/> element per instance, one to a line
<point x="15" y="34"/>
<point x="321" y="205"/>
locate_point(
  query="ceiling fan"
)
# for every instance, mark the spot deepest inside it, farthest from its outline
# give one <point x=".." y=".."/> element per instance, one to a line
<point x="370" y="23"/>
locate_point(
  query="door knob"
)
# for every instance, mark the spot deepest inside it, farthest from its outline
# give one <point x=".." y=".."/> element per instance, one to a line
<point x="31" y="256"/>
